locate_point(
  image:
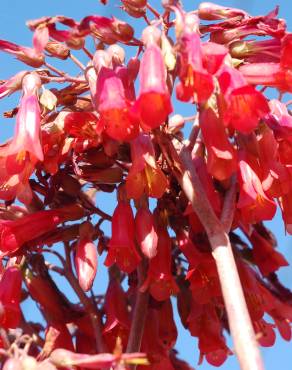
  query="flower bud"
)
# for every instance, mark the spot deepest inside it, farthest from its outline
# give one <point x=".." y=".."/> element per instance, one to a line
<point x="117" y="53"/>
<point x="134" y="8"/>
<point x="58" y="50"/>
<point x="48" y="99"/>
<point x="12" y="364"/>
<point x="151" y="35"/>
<point x="168" y="53"/>
<point x="210" y="11"/>
<point x="28" y="363"/>
<point x="175" y="123"/>
<point x="86" y="257"/>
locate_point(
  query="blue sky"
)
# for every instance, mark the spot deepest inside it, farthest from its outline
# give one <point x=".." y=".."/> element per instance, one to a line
<point x="13" y="15"/>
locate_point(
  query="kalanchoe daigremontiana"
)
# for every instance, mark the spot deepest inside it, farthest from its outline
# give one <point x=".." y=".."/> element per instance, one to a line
<point x="185" y="185"/>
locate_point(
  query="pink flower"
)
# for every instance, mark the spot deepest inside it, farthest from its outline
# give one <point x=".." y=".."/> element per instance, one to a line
<point x="27" y="133"/>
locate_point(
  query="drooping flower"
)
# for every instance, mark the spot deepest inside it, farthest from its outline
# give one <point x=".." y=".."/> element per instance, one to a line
<point x="196" y="82"/>
<point x="145" y="232"/>
<point x="86" y="257"/>
<point x="153" y="103"/>
<point x="241" y="105"/>
<point x="117" y="317"/>
<point x="221" y="160"/>
<point x="14" y="177"/>
<point x="115" y="110"/>
<point x="10" y="295"/>
<point x="14" y="234"/>
<point x="253" y="203"/>
<point x="204" y="324"/>
<point x="122" y="250"/>
<point x="265" y="256"/>
<point x="27" y="133"/>
<point x="159" y="281"/>
<point x="145" y="176"/>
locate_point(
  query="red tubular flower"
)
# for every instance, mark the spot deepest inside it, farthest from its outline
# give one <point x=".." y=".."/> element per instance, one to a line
<point x="252" y="290"/>
<point x="276" y="178"/>
<point x="152" y="344"/>
<point x="265" y="333"/>
<point x="14" y="177"/>
<point x="243" y="105"/>
<point x="280" y="311"/>
<point x="14" y="234"/>
<point x="205" y="324"/>
<point x="10" y="295"/>
<point x="196" y="83"/>
<point x="167" y="327"/>
<point x="202" y="273"/>
<point x="253" y="203"/>
<point x="159" y="279"/>
<point x="268" y="74"/>
<point x="145" y="232"/>
<point x="114" y="108"/>
<point x="122" y="250"/>
<point x="213" y="56"/>
<point x="82" y="126"/>
<point x="86" y="257"/>
<point x="56" y="144"/>
<point x="27" y="134"/>
<point x="204" y="282"/>
<point x="221" y="160"/>
<point x="144" y="176"/>
<point x="117" y="317"/>
<point x="265" y="256"/>
<point x="153" y="88"/>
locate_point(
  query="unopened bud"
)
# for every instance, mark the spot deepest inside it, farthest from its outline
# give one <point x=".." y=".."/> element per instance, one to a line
<point x="168" y="53"/>
<point x="86" y="230"/>
<point x="58" y="50"/>
<point x="75" y="43"/>
<point x="133" y="68"/>
<point x="133" y="10"/>
<point x="210" y="11"/>
<point x="175" y="123"/>
<point x="136" y="3"/>
<point x="48" y="99"/>
<point x="31" y="82"/>
<point x="123" y="30"/>
<point x="101" y="59"/>
<point x="117" y="53"/>
<point x="151" y="35"/>
<point x="29" y="363"/>
<point x="191" y="22"/>
<point x="12" y="364"/>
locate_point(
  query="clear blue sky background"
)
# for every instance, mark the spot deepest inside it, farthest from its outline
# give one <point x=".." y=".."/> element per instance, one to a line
<point x="13" y="15"/>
